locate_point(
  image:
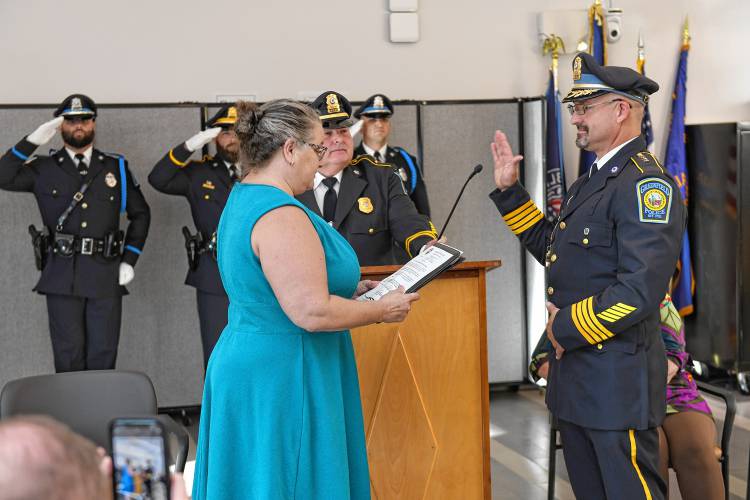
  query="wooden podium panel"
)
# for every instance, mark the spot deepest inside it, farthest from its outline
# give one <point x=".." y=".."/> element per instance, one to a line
<point x="425" y="395"/>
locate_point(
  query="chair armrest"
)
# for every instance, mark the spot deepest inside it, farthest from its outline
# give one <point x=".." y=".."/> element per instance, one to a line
<point x="182" y="440"/>
<point x="730" y="401"/>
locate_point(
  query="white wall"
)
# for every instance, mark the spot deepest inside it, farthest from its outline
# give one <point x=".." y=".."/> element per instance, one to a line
<point x="155" y="51"/>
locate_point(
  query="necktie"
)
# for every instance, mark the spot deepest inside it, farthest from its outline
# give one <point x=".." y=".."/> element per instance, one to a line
<point x="593" y="170"/>
<point x="377" y="156"/>
<point x="81" y="164"/>
<point x="329" y="201"/>
<point x="233" y="172"/>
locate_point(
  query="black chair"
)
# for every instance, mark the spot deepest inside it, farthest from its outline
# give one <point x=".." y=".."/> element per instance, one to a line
<point x="726" y="433"/>
<point x="87" y="401"/>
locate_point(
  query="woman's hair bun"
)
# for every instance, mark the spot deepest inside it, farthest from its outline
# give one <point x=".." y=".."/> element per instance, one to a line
<point x="248" y="116"/>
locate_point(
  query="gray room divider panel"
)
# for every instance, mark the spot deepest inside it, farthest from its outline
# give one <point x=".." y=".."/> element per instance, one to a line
<point x="160" y="327"/>
<point x="457" y="137"/>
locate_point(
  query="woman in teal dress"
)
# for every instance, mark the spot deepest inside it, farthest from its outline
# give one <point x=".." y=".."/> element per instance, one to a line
<point x="281" y="416"/>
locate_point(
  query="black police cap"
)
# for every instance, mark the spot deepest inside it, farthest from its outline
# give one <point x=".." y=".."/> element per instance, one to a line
<point x="591" y="79"/>
<point x="375" y="105"/>
<point x="334" y="110"/>
<point x="225" y="117"/>
<point x="76" y="105"/>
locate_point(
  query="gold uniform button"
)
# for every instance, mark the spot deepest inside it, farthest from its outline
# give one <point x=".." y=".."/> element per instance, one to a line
<point x="563" y="225"/>
<point x="84" y="224"/>
<point x="84" y="205"/>
<point x="371" y="230"/>
<point x="599" y="346"/>
<point x="206" y="197"/>
<point x="553" y="258"/>
<point x="550" y="291"/>
<point x="585" y="241"/>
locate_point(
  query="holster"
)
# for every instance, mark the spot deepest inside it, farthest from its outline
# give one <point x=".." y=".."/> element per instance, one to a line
<point x="40" y="241"/>
<point x="113" y="244"/>
<point x="193" y="244"/>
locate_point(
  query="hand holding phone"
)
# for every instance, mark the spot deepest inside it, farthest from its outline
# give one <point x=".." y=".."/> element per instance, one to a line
<point x="139" y="459"/>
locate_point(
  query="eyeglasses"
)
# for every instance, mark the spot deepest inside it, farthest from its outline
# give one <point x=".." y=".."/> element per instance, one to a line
<point x="319" y="150"/>
<point x="580" y="109"/>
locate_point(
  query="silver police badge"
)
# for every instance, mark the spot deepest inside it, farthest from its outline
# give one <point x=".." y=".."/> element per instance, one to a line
<point x="402" y="174"/>
<point x="110" y="180"/>
<point x="76" y="104"/>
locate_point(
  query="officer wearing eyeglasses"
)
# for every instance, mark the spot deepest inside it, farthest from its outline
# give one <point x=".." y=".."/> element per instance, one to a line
<point x="365" y="200"/>
<point x="609" y="257"/>
<point x="84" y="257"/>
<point x="205" y="184"/>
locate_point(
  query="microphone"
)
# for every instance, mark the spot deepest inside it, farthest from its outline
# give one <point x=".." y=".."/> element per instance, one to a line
<point x="474" y="172"/>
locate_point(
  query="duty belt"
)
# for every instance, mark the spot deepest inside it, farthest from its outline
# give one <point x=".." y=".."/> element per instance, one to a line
<point x="66" y="245"/>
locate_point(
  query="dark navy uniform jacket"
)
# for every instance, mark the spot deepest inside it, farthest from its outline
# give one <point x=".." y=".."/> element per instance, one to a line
<point x="609" y="258"/>
<point x="206" y="185"/>
<point x="54" y="180"/>
<point x="373" y="211"/>
<point x="411" y="174"/>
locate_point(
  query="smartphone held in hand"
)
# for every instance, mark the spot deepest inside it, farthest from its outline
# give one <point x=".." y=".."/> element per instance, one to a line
<point x="139" y="459"/>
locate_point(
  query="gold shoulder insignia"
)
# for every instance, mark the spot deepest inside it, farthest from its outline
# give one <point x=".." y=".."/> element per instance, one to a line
<point x="369" y="159"/>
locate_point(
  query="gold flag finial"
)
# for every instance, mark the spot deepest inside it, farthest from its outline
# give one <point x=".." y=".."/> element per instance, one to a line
<point x="686" y="34"/>
<point x="641" y="61"/>
<point x="553" y="44"/>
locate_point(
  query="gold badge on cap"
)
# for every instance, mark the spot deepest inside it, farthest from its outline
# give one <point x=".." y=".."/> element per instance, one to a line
<point x="365" y="205"/>
<point x="577" y="68"/>
<point x="232" y="113"/>
<point x="378" y="101"/>
<point x="332" y="101"/>
<point x="76" y="105"/>
<point x="110" y="179"/>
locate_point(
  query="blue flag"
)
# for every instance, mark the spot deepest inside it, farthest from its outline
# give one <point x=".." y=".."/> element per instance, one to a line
<point x="598" y="49"/>
<point x="676" y="163"/>
<point x="555" y="172"/>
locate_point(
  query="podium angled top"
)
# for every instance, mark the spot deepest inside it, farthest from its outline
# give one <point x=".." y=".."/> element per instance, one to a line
<point x="475" y="266"/>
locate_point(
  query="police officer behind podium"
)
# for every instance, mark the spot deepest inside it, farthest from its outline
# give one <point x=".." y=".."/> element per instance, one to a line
<point x="609" y="257"/>
<point x="376" y="113"/>
<point x="84" y="257"/>
<point x="205" y="184"/>
<point x="363" y="199"/>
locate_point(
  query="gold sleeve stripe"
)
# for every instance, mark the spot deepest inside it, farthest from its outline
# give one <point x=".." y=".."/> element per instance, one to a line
<point x="433" y="228"/>
<point x="520" y="216"/>
<point x="531" y="222"/>
<point x="589" y="312"/>
<point x="616" y="312"/>
<point x="175" y="160"/>
<point x="577" y="322"/>
<point x="518" y="210"/>
<point x="522" y="220"/>
<point x="407" y="243"/>
<point x="587" y="324"/>
<point x="605" y="316"/>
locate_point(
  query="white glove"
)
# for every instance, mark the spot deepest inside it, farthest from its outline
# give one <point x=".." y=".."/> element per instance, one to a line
<point x="127" y="273"/>
<point x="202" y="138"/>
<point x="354" y="129"/>
<point x="45" y="132"/>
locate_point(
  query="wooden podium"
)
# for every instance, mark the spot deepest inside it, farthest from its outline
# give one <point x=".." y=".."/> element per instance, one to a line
<point x="425" y="395"/>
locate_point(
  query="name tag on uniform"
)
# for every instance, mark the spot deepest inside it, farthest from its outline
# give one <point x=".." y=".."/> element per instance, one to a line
<point x="654" y="200"/>
<point x="208" y="185"/>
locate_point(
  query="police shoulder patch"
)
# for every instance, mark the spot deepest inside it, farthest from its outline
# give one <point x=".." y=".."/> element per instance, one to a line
<point x="654" y="200"/>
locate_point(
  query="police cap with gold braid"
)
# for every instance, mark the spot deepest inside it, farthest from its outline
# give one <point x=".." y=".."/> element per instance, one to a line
<point x="225" y="118"/>
<point x="76" y="106"/>
<point x="334" y="110"/>
<point x="590" y="79"/>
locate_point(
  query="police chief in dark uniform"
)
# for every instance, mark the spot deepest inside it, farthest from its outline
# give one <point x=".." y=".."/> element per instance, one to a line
<point x="206" y="184"/>
<point x="363" y="199"/>
<point x="376" y="113"/>
<point x="84" y="257"/>
<point x="609" y="257"/>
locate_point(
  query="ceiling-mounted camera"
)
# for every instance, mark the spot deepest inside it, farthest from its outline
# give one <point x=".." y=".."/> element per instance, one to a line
<point x="614" y="24"/>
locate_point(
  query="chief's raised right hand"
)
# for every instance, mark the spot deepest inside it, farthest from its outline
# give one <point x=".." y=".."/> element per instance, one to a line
<point x="506" y="164"/>
<point x="397" y="305"/>
<point x="45" y="131"/>
<point x="202" y="138"/>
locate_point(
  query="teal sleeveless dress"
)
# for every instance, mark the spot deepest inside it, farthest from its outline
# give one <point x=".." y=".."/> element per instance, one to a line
<point x="281" y="415"/>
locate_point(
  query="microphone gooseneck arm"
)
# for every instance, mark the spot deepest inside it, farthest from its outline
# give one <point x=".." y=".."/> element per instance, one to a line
<point x="477" y="169"/>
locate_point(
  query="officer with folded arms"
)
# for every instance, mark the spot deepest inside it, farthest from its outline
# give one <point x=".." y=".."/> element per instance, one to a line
<point x="205" y="184"/>
<point x="84" y="257"/>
